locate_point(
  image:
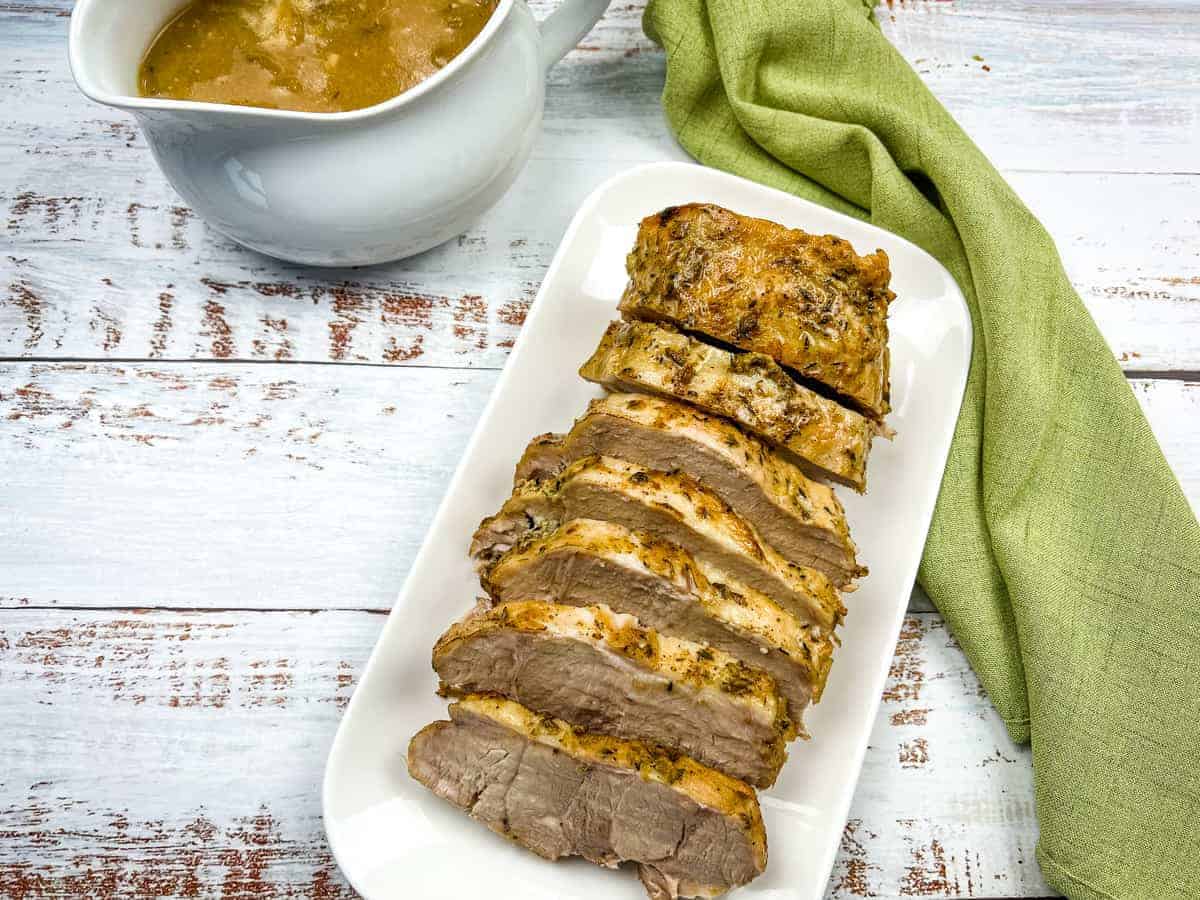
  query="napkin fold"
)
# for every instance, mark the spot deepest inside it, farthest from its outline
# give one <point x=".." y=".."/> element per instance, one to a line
<point x="1063" y="553"/>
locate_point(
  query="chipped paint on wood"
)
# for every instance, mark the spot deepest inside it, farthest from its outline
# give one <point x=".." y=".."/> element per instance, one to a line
<point x="91" y="652"/>
<point x="920" y="826"/>
<point x="927" y="875"/>
<point x="293" y="485"/>
<point x="161" y="329"/>
<point x="602" y="115"/>
<point x="470" y="322"/>
<point x="314" y="488"/>
<point x="907" y="673"/>
<point x="915" y="716"/>
<point x="854" y="871"/>
<point x="105" y="324"/>
<point x="258" y="696"/>
<point x="914" y="754"/>
<point x="279" y="346"/>
<point x="347" y="305"/>
<point x="464" y="305"/>
<point x="51" y="213"/>
<point x="248" y="856"/>
<point x="45" y="9"/>
<point x="144" y="698"/>
<point x="29" y="307"/>
<point x="267" y="485"/>
<point x="217" y="330"/>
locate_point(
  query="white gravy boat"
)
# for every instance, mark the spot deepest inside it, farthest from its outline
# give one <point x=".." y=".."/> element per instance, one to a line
<point x="341" y="189"/>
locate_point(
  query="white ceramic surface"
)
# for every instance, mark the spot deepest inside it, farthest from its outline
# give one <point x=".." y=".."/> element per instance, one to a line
<point x="339" y="189"/>
<point x="392" y="838"/>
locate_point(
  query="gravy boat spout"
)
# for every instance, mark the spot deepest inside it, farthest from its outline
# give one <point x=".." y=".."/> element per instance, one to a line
<point x="341" y="189"/>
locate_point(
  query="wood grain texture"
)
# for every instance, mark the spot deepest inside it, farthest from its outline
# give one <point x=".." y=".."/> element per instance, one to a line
<point x="243" y="485"/>
<point x="215" y="485"/>
<point x="1069" y="86"/>
<point x="144" y="279"/>
<point x="105" y="262"/>
<point x="105" y="792"/>
<point x="177" y="754"/>
<point x="1065" y="86"/>
<point x="171" y="756"/>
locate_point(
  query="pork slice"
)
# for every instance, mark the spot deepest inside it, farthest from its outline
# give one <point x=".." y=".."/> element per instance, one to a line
<point x="588" y="562"/>
<point x="673" y="507"/>
<point x="604" y="672"/>
<point x="560" y="792"/>
<point x="799" y="517"/>
<point x="827" y="439"/>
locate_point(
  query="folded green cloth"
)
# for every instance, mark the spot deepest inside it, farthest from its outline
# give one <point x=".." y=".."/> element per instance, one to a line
<point x="1063" y="553"/>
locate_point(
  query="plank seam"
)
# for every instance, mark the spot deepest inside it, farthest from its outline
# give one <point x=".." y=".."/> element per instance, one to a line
<point x="198" y="610"/>
<point x="1190" y="375"/>
<point x="1164" y="375"/>
<point x="141" y="608"/>
<point x="134" y="360"/>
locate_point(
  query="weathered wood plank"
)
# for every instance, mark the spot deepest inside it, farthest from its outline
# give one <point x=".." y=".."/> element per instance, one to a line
<point x="242" y="485"/>
<point x="171" y="756"/>
<point x="1064" y="86"/>
<point x="223" y="485"/>
<point x="104" y="262"/>
<point x="962" y="820"/>
<point x="1132" y="255"/>
<point x="180" y="755"/>
<point x="1109" y="86"/>
<point x="88" y="277"/>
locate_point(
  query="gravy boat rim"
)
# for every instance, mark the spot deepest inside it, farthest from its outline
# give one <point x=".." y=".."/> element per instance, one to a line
<point x="79" y="71"/>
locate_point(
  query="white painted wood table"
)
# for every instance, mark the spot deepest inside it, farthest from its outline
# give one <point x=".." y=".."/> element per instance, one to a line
<point x="215" y="469"/>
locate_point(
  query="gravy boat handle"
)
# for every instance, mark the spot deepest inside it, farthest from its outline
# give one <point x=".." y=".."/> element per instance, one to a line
<point x="566" y="26"/>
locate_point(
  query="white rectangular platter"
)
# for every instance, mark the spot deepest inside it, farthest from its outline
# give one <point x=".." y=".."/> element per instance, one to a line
<point x="392" y="838"/>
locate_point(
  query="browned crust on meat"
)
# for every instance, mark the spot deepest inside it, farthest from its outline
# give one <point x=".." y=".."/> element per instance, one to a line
<point x="802" y="505"/>
<point x="704" y="786"/>
<point x="807" y="301"/>
<point x="743" y="608"/>
<point x="679" y="661"/>
<point x="749" y="388"/>
<point x="536" y="507"/>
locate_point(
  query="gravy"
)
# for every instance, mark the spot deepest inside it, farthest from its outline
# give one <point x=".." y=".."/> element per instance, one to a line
<point x="308" y="55"/>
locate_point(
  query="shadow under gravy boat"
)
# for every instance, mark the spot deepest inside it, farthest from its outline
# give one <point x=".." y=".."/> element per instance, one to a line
<point x="350" y="188"/>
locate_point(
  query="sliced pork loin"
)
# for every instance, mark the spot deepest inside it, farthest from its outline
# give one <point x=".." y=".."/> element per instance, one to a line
<point x="671" y="506"/>
<point x="800" y="518"/>
<point x="588" y="562"/>
<point x="604" y="672"/>
<point x="562" y="792"/>
<point x="806" y="300"/>
<point x="826" y="438"/>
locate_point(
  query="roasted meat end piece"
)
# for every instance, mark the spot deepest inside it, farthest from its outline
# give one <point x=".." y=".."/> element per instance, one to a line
<point x="693" y="831"/>
<point x="807" y="301"/>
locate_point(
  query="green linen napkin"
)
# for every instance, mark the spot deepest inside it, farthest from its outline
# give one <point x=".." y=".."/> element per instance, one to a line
<point x="1063" y="553"/>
